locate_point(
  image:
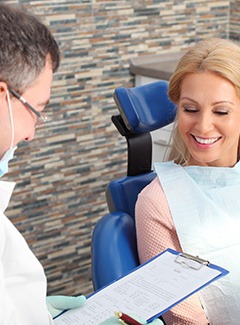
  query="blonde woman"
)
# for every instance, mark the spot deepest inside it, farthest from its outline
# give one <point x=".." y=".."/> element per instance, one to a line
<point x="193" y="204"/>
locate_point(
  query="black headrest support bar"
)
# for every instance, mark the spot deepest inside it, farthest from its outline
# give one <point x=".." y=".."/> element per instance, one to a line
<point x="139" y="148"/>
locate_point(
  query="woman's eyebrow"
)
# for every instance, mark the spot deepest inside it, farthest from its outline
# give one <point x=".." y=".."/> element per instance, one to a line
<point x="223" y="102"/>
<point x="214" y="103"/>
<point x="188" y="98"/>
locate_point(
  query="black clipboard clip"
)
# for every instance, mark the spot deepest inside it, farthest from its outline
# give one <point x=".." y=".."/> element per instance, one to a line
<point x="190" y="261"/>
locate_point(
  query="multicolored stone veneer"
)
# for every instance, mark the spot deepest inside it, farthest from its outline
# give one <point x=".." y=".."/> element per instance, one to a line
<point x="62" y="175"/>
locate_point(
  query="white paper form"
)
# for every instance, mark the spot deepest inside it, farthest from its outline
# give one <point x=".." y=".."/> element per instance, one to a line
<point x="149" y="290"/>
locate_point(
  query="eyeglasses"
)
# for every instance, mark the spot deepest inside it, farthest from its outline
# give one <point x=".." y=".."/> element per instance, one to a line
<point x="41" y="118"/>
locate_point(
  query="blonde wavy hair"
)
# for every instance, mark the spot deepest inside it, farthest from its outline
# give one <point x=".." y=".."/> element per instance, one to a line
<point x="215" y="55"/>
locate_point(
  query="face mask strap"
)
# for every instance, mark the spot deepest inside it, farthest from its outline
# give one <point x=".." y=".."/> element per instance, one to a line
<point x="11" y="118"/>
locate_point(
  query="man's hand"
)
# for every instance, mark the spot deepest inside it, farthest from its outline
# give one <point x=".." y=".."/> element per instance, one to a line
<point x="57" y="304"/>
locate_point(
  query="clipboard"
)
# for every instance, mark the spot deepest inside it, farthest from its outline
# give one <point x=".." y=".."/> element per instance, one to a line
<point x="149" y="290"/>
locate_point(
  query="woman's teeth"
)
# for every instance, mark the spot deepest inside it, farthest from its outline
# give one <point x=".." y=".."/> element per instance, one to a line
<point x="205" y="141"/>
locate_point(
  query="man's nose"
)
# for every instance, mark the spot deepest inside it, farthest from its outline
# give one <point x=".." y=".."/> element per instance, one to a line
<point x="30" y="137"/>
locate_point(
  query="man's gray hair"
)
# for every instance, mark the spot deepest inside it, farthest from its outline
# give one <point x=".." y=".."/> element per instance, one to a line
<point x="25" y="43"/>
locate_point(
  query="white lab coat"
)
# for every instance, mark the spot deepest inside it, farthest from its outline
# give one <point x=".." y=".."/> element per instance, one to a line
<point x="22" y="279"/>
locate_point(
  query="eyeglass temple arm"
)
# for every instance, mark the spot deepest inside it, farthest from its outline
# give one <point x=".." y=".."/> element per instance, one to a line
<point x="22" y="100"/>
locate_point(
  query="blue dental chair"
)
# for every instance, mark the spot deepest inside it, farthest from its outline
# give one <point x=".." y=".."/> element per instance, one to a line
<point x="114" y="248"/>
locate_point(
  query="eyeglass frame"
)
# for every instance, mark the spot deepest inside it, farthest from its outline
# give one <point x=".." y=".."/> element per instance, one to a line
<point x="41" y="118"/>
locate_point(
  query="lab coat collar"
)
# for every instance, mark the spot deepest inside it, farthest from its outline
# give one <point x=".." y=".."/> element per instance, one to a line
<point x="6" y="189"/>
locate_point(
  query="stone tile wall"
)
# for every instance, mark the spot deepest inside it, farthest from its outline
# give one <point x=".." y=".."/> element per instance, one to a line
<point x="62" y="175"/>
<point x="234" y="24"/>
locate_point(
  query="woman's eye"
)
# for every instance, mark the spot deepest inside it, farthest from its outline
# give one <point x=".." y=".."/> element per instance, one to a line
<point x="221" y="112"/>
<point x="190" y="109"/>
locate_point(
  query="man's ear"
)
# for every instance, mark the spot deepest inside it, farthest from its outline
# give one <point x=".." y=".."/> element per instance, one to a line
<point x="3" y="88"/>
<point x="3" y="96"/>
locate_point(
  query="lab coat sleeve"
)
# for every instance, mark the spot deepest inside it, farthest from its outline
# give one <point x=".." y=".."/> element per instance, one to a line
<point x="22" y="280"/>
<point x="23" y="283"/>
<point x="6" y="309"/>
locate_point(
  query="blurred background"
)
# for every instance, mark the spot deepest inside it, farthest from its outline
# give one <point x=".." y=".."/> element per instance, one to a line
<point x="62" y="175"/>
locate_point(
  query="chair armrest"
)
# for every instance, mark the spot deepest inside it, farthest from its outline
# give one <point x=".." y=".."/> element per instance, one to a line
<point x="114" y="248"/>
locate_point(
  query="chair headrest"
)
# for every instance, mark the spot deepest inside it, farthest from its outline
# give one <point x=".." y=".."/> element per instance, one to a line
<point x="145" y="108"/>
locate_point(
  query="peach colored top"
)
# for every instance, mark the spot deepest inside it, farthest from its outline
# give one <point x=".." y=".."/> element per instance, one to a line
<point x="155" y="233"/>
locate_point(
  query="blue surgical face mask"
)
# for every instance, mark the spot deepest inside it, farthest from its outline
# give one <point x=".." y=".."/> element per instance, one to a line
<point x="5" y="160"/>
<point x="10" y="152"/>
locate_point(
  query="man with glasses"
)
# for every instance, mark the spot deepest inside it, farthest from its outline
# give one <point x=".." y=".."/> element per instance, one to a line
<point x="28" y="57"/>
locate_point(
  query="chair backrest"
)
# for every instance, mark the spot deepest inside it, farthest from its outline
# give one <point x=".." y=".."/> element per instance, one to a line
<point x="122" y="193"/>
<point x="142" y="109"/>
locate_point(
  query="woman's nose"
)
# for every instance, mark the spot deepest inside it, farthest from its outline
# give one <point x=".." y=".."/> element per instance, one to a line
<point x="204" y="123"/>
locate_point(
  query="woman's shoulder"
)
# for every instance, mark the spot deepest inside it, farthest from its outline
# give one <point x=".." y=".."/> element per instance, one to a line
<point x="152" y="189"/>
<point x="153" y="195"/>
